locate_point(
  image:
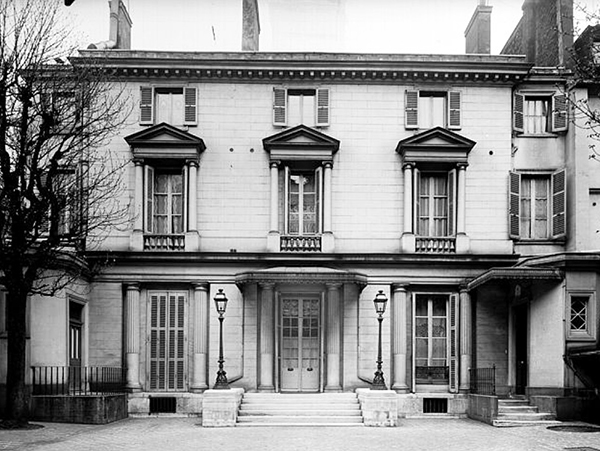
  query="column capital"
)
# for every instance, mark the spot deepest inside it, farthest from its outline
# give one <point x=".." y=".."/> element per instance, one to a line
<point x="333" y="285"/>
<point x="200" y="286"/>
<point x="266" y="285"/>
<point x="462" y="166"/>
<point x="138" y="161"/>
<point x="133" y="286"/>
<point x="274" y="164"/>
<point x="462" y="288"/>
<point x="192" y="163"/>
<point x="328" y="164"/>
<point x="399" y="287"/>
<point x="408" y="165"/>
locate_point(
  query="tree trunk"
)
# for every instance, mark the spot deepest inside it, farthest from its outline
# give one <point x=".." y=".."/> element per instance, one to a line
<point x="17" y="396"/>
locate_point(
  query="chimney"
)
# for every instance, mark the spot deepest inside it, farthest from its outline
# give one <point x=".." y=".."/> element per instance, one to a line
<point x="119" y="36"/>
<point x="251" y="25"/>
<point x="478" y="32"/>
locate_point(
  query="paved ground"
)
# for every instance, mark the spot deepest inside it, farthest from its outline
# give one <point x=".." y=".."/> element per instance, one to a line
<point x="178" y="434"/>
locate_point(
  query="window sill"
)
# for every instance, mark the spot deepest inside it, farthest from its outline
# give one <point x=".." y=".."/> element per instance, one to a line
<point x="581" y="338"/>
<point x="559" y="241"/>
<point x="537" y="135"/>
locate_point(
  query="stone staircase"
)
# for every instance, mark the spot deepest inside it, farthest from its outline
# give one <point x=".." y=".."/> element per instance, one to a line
<point x="318" y="409"/>
<point x="518" y="412"/>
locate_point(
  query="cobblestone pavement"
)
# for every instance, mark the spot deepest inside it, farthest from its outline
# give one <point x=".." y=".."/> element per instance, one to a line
<point x="179" y="434"/>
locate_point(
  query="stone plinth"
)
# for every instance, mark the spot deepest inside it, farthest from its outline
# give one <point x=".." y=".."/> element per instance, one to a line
<point x="220" y="407"/>
<point x="379" y="407"/>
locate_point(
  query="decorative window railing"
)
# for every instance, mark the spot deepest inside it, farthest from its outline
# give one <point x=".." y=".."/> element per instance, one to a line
<point x="436" y="245"/>
<point x="77" y="380"/>
<point x="432" y="374"/>
<point x="164" y="242"/>
<point x="295" y="243"/>
<point x="482" y="381"/>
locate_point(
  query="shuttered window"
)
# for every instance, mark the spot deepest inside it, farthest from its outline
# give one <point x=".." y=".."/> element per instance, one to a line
<point x="293" y="107"/>
<point x="538" y="114"/>
<point x="167" y="339"/>
<point x="176" y="106"/>
<point x="537" y="206"/>
<point x="428" y="109"/>
<point x="435" y="200"/>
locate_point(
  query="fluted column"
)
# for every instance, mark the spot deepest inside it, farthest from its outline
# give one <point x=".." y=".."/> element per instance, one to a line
<point x="132" y="337"/>
<point x="200" y="336"/>
<point x="327" y="198"/>
<point x="333" y="332"/>
<point x="408" y="198"/>
<point x="138" y="223"/>
<point x="267" y="337"/>
<point x="399" y="348"/>
<point x="460" y="199"/>
<point x="192" y="216"/>
<point x="466" y="345"/>
<point x="274" y="210"/>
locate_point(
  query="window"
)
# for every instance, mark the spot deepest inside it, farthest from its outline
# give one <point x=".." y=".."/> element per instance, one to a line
<point x="64" y="109"/>
<point x="75" y="333"/>
<point x="537" y="206"/>
<point x="539" y="114"/>
<point x="303" y="193"/>
<point x="428" y="109"/>
<point x="435" y="203"/>
<point x="581" y="314"/>
<point x="301" y="106"/>
<point x="174" y="105"/>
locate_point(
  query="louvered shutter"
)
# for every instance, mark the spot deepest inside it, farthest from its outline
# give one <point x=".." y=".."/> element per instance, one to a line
<point x="559" y="113"/>
<point x="559" y="206"/>
<point x="158" y="341"/>
<point x="319" y="198"/>
<point x="514" y="204"/>
<point x="411" y="110"/>
<point x="286" y="199"/>
<point x="453" y="344"/>
<point x="451" y="203"/>
<point x="279" y="106"/>
<point x="146" y="105"/>
<point x="322" y="113"/>
<point x="454" y="110"/>
<point x="176" y="343"/>
<point x="518" y="105"/>
<point x="149" y="201"/>
<point x="190" y="113"/>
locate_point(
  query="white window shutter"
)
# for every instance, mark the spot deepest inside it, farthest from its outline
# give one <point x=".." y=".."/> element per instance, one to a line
<point x="190" y="113"/>
<point x="518" y="106"/>
<point x="559" y="113"/>
<point x="286" y="199"/>
<point x="411" y="110"/>
<point x="454" y="110"/>
<point x="319" y="196"/>
<point x="559" y="205"/>
<point x="149" y="199"/>
<point x="451" y="203"/>
<point x="280" y="107"/>
<point x="146" y="105"/>
<point x="514" y="204"/>
<point x="322" y="105"/>
<point x="453" y="338"/>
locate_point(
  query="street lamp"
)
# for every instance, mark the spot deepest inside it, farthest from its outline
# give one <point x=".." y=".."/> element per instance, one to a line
<point x="380" y="302"/>
<point x="221" y="304"/>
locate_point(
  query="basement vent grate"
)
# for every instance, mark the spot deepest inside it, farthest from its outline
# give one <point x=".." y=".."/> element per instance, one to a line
<point x="162" y="404"/>
<point x="435" y="405"/>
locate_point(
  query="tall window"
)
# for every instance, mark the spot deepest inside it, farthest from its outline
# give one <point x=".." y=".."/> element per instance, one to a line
<point x="435" y="204"/>
<point x="303" y="202"/>
<point x="537" y="207"/>
<point x="164" y="201"/>
<point x="431" y="339"/>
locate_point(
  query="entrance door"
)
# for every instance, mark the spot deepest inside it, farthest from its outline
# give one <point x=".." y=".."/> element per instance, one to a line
<point x="521" y="345"/>
<point x="300" y="344"/>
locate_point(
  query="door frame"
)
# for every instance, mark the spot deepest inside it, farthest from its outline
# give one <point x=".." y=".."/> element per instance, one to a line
<point x="280" y="295"/>
<point x="520" y="316"/>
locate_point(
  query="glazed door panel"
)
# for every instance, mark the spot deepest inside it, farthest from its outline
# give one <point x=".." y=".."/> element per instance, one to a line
<point x="300" y="344"/>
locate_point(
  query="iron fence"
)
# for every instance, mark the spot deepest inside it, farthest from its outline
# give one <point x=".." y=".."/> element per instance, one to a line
<point x="482" y="381"/>
<point x="77" y="380"/>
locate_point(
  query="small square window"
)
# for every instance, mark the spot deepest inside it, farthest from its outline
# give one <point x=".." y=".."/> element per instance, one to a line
<point x="581" y="319"/>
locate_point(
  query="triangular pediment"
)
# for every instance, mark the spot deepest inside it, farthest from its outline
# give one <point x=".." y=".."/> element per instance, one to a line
<point x="301" y="143"/>
<point x="435" y="145"/>
<point x="165" y="141"/>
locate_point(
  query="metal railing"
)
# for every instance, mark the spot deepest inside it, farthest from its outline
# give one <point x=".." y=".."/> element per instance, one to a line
<point x="164" y="242"/>
<point x="295" y="243"/>
<point x="436" y="245"/>
<point x="482" y="381"/>
<point x="77" y="380"/>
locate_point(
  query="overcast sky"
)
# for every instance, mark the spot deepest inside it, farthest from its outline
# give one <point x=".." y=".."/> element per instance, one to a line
<point x="378" y="26"/>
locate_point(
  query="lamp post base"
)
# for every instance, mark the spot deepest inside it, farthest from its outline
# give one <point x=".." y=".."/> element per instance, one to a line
<point x="378" y="381"/>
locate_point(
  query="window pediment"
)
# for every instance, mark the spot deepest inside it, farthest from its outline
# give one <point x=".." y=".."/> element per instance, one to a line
<point x="166" y="142"/>
<point x="437" y="145"/>
<point x="301" y="143"/>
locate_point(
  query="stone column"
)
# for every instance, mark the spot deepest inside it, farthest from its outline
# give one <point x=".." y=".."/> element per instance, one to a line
<point x="333" y="331"/>
<point x="399" y="349"/>
<point x="137" y="235"/>
<point x="132" y="337"/>
<point x="200" y="336"/>
<point x="460" y="199"/>
<point x="466" y="345"/>
<point x="408" y="243"/>
<point x="192" y="216"/>
<point x="327" y="197"/>
<point x="267" y="337"/>
<point x="273" y="236"/>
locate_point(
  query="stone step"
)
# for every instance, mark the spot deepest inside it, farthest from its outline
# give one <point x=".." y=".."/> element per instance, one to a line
<point x="518" y="409"/>
<point x="516" y="423"/>
<point x="298" y="419"/>
<point x="513" y="402"/>
<point x="525" y="416"/>
<point x="333" y="397"/>
<point x="296" y="406"/>
<point x="319" y="424"/>
<point x="298" y="412"/>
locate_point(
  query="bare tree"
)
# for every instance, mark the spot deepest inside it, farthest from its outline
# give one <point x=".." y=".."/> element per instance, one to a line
<point x="58" y="180"/>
